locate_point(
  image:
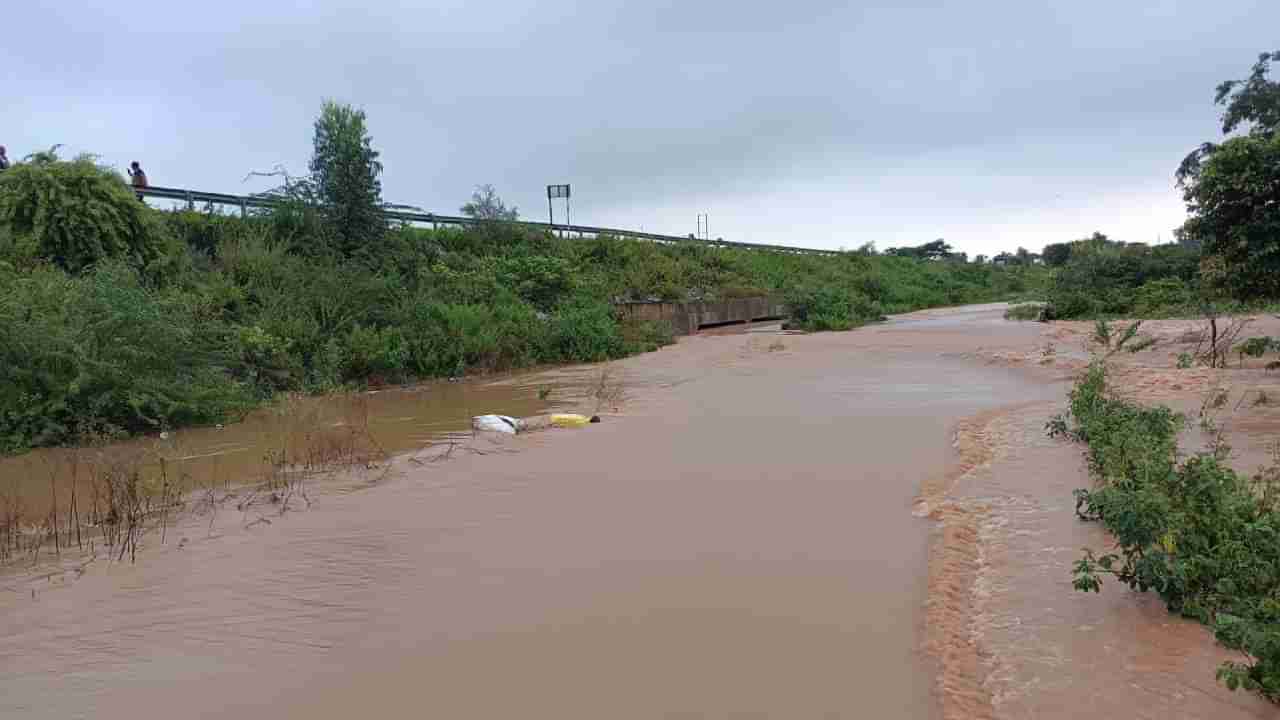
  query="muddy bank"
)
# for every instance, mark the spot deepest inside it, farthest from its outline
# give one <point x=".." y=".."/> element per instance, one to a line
<point x="1030" y="646"/>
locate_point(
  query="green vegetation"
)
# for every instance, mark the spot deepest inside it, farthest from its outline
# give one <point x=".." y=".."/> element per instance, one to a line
<point x="1025" y="311"/>
<point x="1100" y="277"/>
<point x="1203" y="537"/>
<point x="1228" y="251"/>
<point x="73" y="214"/>
<point x="118" y="319"/>
<point x="345" y="175"/>
<point x="1232" y="190"/>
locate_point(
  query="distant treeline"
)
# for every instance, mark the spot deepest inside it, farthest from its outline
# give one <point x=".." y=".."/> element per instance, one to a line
<point x="1227" y="254"/>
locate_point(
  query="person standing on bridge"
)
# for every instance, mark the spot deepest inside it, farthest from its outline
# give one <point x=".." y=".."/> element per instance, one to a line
<point x="4" y="159"/>
<point x="138" y="177"/>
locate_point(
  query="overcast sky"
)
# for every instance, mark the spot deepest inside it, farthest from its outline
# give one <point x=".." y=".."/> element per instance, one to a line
<point x="827" y="124"/>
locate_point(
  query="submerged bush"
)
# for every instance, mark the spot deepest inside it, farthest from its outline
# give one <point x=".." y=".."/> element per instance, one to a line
<point x="1024" y="311"/>
<point x="830" y="308"/>
<point x="1203" y="537"/>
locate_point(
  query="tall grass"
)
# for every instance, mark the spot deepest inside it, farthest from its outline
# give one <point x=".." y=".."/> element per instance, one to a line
<point x="102" y="498"/>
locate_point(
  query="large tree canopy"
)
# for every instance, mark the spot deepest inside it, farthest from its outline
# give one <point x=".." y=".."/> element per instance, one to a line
<point x="1232" y="189"/>
<point x="1235" y="213"/>
<point x="1253" y="103"/>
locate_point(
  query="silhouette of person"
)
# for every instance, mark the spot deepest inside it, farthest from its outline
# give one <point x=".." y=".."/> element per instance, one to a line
<point x="139" y="177"/>
<point x="4" y="159"/>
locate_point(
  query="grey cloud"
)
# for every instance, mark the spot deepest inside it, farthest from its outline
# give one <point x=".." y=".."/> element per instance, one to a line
<point x="993" y="124"/>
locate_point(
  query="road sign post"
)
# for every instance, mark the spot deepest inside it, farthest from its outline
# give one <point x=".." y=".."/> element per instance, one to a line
<point x="557" y="191"/>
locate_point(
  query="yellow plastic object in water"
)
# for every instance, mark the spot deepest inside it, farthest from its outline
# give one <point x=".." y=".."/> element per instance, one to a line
<point x="570" y="420"/>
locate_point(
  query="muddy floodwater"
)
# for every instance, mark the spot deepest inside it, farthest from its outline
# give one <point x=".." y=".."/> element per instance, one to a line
<point x="394" y="420"/>
<point x="863" y="525"/>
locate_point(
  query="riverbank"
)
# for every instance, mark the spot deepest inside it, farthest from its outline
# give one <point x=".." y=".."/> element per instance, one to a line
<point x="842" y="524"/>
<point x="1036" y="647"/>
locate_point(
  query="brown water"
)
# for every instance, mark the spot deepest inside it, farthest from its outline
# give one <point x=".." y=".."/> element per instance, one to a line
<point x="740" y="543"/>
<point x="387" y="421"/>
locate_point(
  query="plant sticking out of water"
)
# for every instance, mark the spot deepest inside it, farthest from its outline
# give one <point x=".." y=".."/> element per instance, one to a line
<point x="1048" y="353"/>
<point x="608" y="390"/>
<point x="309" y="441"/>
<point x="1113" y="340"/>
<point x="1256" y="347"/>
<point x="1142" y="343"/>
<point x="1218" y="337"/>
<point x="109" y="496"/>
<point x="1025" y="311"/>
<point x="1191" y="529"/>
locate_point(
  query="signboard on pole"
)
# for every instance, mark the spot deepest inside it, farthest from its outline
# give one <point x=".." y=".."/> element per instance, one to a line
<point x="557" y="191"/>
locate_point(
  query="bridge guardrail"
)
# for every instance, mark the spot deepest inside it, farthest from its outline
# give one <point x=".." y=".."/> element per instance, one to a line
<point x="244" y="202"/>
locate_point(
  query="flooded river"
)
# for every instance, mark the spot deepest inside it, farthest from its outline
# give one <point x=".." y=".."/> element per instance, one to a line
<point x="775" y="526"/>
<point x="388" y="421"/>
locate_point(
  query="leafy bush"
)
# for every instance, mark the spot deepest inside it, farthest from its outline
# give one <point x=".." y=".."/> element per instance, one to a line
<point x="102" y="353"/>
<point x="585" y="331"/>
<point x="74" y="214"/>
<point x="1163" y="297"/>
<point x="647" y="335"/>
<point x="1103" y="278"/>
<point x="1206" y="539"/>
<point x="830" y="308"/>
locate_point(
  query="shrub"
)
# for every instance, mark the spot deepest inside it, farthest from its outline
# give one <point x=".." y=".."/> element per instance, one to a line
<point x="647" y="335"/>
<point x="830" y="308"/>
<point x="584" y="331"/>
<point x="1163" y="297"/>
<point x="74" y="214"/>
<point x="1256" y="347"/>
<point x="1201" y="536"/>
<point x="102" y="353"/>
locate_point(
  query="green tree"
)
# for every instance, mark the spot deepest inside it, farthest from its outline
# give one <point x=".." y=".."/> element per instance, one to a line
<point x="1234" y="203"/>
<point x="1232" y="189"/>
<point x="936" y="250"/>
<point x="73" y="214"/>
<point x="486" y="205"/>
<point x="345" y="173"/>
<point x="1056" y="254"/>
